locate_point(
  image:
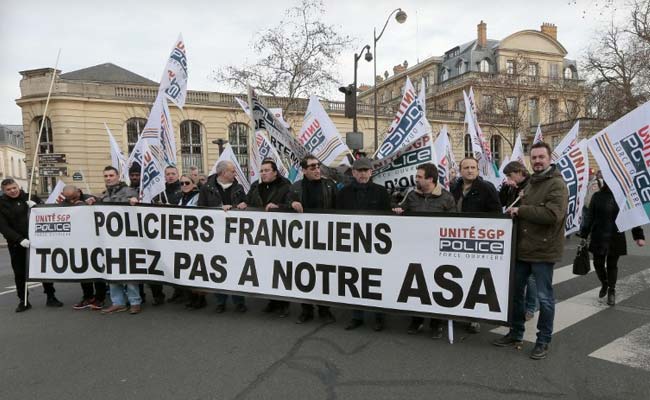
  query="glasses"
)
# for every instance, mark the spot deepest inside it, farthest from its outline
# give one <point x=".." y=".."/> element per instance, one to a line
<point x="186" y="183"/>
<point x="313" y="166"/>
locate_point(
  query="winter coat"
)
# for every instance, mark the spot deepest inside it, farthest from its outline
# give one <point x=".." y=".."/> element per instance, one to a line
<point x="508" y="194"/>
<point x="173" y="194"/>
<point x="14" y="217"/>
<point x="278" y="191"/>
<point x="120" y="193"/>
<point x="328" y="187"/>
<point x="363" y="196"/>
<point x="540" y="222"/>
<point x="189" y="199"/>
<point x="481" y="197"/>
<point x="438" y="201"/>
<point x="210" y="194"/>
<point x="601" y="226"/>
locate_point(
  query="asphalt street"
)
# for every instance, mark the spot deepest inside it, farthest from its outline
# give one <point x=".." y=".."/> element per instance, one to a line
<point x="167" y="352"/>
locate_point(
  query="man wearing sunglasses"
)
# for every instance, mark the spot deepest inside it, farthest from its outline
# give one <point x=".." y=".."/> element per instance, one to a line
<point x="312" y="192"/>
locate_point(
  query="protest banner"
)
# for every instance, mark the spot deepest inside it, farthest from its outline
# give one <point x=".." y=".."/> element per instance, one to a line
<point x="229" y="155"/>
<point x="174" y="80"/>
<point x="398" y="171"/>
<point x="319" y="134"/>
<point x="568" y="141"/>
<point x="447" y="265"/>
<point x="574" y="168"/>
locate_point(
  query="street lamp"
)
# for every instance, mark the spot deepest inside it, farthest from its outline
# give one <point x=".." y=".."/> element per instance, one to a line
<point x="220" y="143"/>
<point x="400" y="17"/>
<point x="351" y="92"/>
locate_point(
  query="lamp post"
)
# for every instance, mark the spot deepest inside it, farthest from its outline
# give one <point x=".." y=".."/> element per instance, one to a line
<point x="400" y="17"/>
<point x="368" y="58"/>
<point x="220" y="143"/>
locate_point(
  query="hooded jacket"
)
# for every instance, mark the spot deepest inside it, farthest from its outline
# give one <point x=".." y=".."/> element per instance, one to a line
<point x="14" y="217"/>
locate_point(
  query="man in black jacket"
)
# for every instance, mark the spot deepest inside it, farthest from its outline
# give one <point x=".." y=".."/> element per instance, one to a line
<point x="473" y="194"/>
<point x="14" y="226"/>
<point x="362" y="194"/>
<point x="312" y="192"/>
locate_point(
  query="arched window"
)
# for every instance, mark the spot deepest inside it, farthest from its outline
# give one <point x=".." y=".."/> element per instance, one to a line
<point x="134" y="127"/>
<point x="495" y="147"/>
<point x="484" y="65"/>
<point x="468" y="146"/>
<point x="191" y="145"/>
<point x="45" y="146"/>
<point x="460" y="67"/>
<point x="445" y="74"/>
<point x="568" y="73"/>
<point x="238" y="139"/>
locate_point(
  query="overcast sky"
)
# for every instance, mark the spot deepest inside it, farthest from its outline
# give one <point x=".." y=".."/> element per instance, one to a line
<point x="138" y="35"/>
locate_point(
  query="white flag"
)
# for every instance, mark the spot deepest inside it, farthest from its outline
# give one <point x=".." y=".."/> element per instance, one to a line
<point x="538" y="135"/>
<point x="319" y="134"/>
<point x="159" y="132"/>
<point x="152" y="178"/>
<point x="441" y="146"/>
<point x="263" y="149"/>
<point x="174" y="79"/>
<point x="622" y="151"/>
<point x="480" y="145"/>
<point x="56" y="197"/>
<point x="229" y="155"/>
<point x="117" y="158"/>
<point x="518" y="151"/>
<point x="409" y="125"/>
<point x="569" y="140"/>
<point x="422" y="97"/>
<point x="277" y="112"/>
<point x="398" y="170"/>
<point x="574" y="167"/>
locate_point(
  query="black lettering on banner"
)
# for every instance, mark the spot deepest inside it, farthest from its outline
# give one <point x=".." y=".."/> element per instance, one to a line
<point x="113" y="216"/>
<point x="362" y="237"/>
<point x="199" y="268"/>
<point x="246" y="229"/>
<point x="280" y="273"/>
<point x="348" y="276"/>
<point x="120" y="260"/>
<point x="293" y="225"/>
<point x="100" y="219"/>
<point x="208" y="233"/>
<point x="381" y="232"/>
<point x="249" y="273"/>
<point x="367" y="283"/>
<point x="482" y="277"/>
<point x="136" y="257"/>
<point x="326" y="270"/>
<point x="279" y="232"/>
<point x="151" y="233"/>
<point x="127" y="226"/>
<point x="318" y="245"/>
<point x="343" y="234"/>
<point x="182" y="261"/>
<point x="43" y="253"/>
<point x="445" y="283"/>
<point x="220" y="273"/>
<point x="421" y="291"/>
<point x="59" y="267"/>
<point x="191" y="223"/>
<point x="154" y="263"/>
<point x="262" y="235"/>
<point x="311" y="277"/>
<point x="175" y="225"/>
<point x="94" y="262"/>
<point x="84" y="261"/>
<point x="231" y="228"/>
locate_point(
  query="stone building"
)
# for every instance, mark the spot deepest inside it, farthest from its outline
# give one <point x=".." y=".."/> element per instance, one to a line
<point x="12" y="154"/>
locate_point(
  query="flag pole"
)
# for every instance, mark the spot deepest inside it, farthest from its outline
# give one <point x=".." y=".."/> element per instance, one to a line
<point x="251" y="133"/>
<point x="38" y="141"/>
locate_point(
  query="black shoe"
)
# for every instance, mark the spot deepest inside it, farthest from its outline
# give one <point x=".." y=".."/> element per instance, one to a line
<point x="158" y="300"/>
<point x="474" y="327"/>
<point x="220" y="308"/>
<point x="436" y="332"/>
<point x="327" y="317"/>
<point x="304" y="317"/>
<point x="284" y="311"/>
<point x="22" y="307"/>
<point x="611" y="297"/>
<point x="539" y="352"/>
<point x="414" y="327"/>
<point x="241" y="308"/>
<point x="603" y="291"/>
<point x="52" y="301"/>
<point x="508" y="341"/>
<point x="354" y="324"/>
<point x="379" y="325"/>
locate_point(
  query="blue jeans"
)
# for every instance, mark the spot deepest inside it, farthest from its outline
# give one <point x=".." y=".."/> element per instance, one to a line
<point x="532" y="304"/>
<point x="119" y="296"/>
<point x="221" y="299"/>
<point x="543" y="273"/>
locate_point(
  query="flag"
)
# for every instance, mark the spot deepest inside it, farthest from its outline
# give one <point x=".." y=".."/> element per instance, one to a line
<point x="539" y="138"/>
<point x="117" y="158"/>
<point x="450" y="155"/>
<point x="152" y="178"/>
<point x="277" y="112"/>
<point x="518" y="151"/>
<point x="441" y="148"/>
<point x="622" y="151"/>
<point x="319" y="134"/>
<point x="244" y="106"/>
<point x="174" y="80"/>
<point x="398" y="170"/>
<point x="287" y="146"/>
<point x="569" y="140"/>
<point x="262" y="149"/>
<point x="56" y="197"/>
<point x="480" y="146"/>
<point x="229" y="155"/>
<point x="409" y="125"/>
<point x="159" y="132"/>
<point x="422" y="97"/>
<point x="574" y="168"/>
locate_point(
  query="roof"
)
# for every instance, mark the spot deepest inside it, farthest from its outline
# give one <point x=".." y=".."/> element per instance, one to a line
<point x="107" y="73"/>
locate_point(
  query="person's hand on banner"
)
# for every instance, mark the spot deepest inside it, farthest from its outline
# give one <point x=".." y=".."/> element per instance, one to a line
<point x="398" y="210"/>
<point x="640" y="242"/>
<point x="30" y="203"/>
<point x="270" y="206"/>
<point x="512" y="211"/>
<point x="242" y="205"/>
<point x="90" y="201"/>
<point x="297" y="206"/>
<point x="226" y="207"/>
<point x="25" y="243"/>
<point x="133" y="201"/>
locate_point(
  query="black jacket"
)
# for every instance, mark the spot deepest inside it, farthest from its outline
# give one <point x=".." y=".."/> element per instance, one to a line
<point x="508" y="194"/>
<point x="600" y="223"/>
<point x="173" y="194"/>
<point x="211" y="195"/>
<point x="359" y="196"/>
<point x="481" y="197"/>
<point x="277" y="193"/>
<point x="296" y="193"/>
<point x="14" y="217"/>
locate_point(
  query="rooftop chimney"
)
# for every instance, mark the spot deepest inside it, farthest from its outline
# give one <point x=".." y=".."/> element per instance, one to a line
<point x="549" y="29"/>
<point x="481" y="36"/>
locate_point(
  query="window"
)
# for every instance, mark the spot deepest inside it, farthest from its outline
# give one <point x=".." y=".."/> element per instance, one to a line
<point x="191" y="145"/>
<point x="460" y="68"/>
<point x="484" y="66"/>
<point x="510" y="67"/>
<point x="468" y="146"/>
<point x="553" y="110"/>
<point x="45" y="146"/>
<point x="533" y="69"/>
<point x="426" y="80"/>
<point x="445" y="74"/>
<point x="134" y="127"/>
<point x="511" y="103"/>
<point x="488" y="107"/>
<point x="238" y="138"/>
<point x="571" y="109"/>
<point x="554" y="71"/>
<point x="460" y="105"/>
<point x="568" y="73"/>
<point x="533" y="112"/>
<point x="495" y="147"/>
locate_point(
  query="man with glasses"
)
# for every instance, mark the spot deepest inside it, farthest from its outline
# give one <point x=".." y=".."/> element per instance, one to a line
<point x="312" y="192"/>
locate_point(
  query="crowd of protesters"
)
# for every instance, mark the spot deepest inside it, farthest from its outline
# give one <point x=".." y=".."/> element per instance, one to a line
<point x="537" y="200"/>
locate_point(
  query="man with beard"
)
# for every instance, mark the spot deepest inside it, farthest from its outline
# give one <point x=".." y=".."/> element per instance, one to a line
<point x="541" y="213"/>
<point x="134" y="176"/>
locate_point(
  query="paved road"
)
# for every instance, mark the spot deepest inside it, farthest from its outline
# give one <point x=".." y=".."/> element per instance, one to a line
<point x="170" y="353"/>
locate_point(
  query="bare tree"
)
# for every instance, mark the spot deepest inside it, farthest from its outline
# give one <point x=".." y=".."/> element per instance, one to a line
<point x="298" y="57"/>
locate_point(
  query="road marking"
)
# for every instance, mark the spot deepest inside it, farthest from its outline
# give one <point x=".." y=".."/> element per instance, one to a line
<point x="13" y="288"/>
<point x="565" y="273"/>
<point x="575" y="309"/>
<point x="631" y="350"/>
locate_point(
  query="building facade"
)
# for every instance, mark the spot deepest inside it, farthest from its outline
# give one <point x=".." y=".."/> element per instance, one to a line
<point x="12" y="154"/>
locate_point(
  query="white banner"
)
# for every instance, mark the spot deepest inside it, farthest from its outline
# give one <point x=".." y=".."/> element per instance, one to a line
<point x="409" y="125"/>
<point x="574" y="167"/>
<point x="262" y="149"/>
<point x="174" y="79"/>
<point x="518" y="151"/>
<point x="568" y="141"/>
<point x="441" y="148"/>
<point x="152" y="178"/>
<point x="229" y="155"/>
<point x="319" y="134"/>
<point x="117" y="158"/>
<point x="455" y="267"/>
<point x="480" y="143"/>
<point x="622" y="151"/>
<point x="56" y="197"/>
<point x="539" y="138"/>
<point x="398" y="171"/>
